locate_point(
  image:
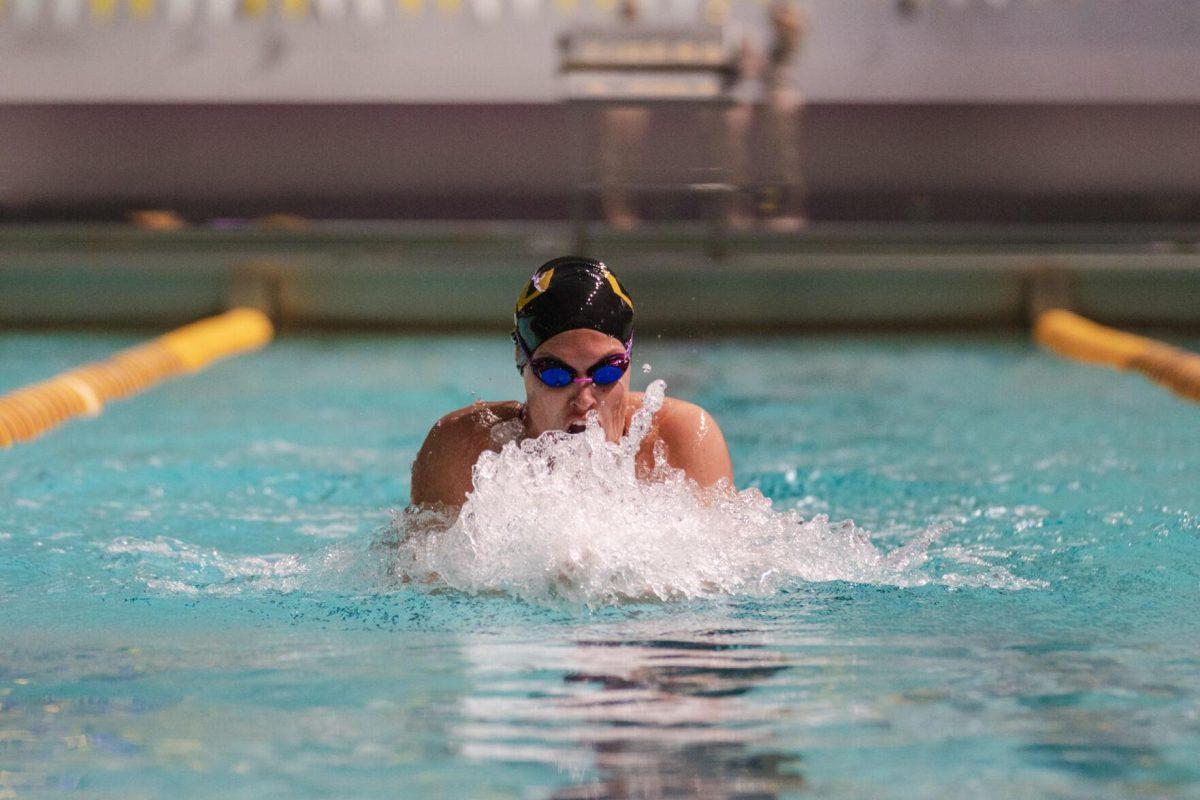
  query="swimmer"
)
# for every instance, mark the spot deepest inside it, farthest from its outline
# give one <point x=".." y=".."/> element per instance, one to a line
<point x="573" y="331"/>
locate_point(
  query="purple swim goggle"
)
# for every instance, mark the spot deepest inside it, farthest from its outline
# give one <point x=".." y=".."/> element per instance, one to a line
<point x="555" y="374"/>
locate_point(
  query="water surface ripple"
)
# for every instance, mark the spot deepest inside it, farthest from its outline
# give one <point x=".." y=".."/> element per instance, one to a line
<point x="199" y="596"/>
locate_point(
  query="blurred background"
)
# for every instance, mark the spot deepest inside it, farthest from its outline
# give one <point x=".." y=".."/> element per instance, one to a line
<point x="659" y="132"/>
<point x="993" y="110"/>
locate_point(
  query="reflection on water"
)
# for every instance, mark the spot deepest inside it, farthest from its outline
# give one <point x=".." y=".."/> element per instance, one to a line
<point x="647" y="710"/>
<point x="1091" y="717"/>
<point x="635" y="717"/>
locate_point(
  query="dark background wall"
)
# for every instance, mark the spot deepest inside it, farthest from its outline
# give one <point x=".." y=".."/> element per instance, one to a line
<point x="1011" y="161"/>
<point x="982" y="109"/>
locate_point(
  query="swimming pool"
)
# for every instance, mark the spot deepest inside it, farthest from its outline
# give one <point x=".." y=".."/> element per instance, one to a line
<point x="194" y="599"/>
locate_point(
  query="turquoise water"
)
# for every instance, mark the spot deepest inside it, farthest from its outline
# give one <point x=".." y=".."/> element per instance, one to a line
<point x="194" y="597"/>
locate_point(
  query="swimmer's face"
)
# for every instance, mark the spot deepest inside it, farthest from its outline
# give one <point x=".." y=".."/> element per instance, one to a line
<point x="566" y="408"/>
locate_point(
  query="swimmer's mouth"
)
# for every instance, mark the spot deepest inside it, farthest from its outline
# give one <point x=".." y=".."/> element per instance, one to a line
<point x="576" y="427"/>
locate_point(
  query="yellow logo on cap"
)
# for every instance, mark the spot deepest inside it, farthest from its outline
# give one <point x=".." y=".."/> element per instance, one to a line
<point x="541" y="282"/>
<point x="616" y="287"/>
<point x="537" y="285"/>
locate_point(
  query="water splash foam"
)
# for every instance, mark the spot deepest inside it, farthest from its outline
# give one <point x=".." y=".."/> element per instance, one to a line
<point x="171" y="566"/>
<point x="565" y="518"/>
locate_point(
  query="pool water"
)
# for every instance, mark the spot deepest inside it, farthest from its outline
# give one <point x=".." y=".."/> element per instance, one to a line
<point x="197" y="593"/>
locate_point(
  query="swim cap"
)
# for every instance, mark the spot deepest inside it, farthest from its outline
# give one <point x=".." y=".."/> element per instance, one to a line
<point x="568" y="293"/>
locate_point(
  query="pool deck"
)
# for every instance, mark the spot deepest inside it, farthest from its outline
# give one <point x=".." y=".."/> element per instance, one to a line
<point x="463" y="276"/>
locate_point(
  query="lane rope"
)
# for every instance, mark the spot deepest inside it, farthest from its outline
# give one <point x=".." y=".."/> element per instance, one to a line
<point x="1076" y="337"/>
<point x="30" y="411"/>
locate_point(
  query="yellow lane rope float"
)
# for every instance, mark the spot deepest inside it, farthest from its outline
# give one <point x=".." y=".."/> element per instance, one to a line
<point x="1075" y="337"/>
<point x="31" y="411"/>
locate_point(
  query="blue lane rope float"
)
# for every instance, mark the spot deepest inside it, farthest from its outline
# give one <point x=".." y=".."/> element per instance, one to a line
<point x="1075" y="337"/>
<point x="30" y="411"/>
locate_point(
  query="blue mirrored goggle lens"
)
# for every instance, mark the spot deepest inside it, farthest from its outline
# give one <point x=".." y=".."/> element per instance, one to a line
<point x="556" y="377"/>
<point x="608" y="374"/>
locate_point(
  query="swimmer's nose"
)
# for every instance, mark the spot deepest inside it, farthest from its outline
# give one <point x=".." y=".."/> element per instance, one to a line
<point x="584" y="399"/>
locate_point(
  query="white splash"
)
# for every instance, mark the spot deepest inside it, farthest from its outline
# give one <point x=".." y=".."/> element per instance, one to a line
<point x="171" y="566"/>
<point x="565" y="518"/>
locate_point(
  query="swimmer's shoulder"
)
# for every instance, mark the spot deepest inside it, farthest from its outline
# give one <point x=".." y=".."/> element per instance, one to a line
<point x="479" y="416"/>
<point x="472" y="425"/>
<point x="693" y="440"/>
<point x="679" y="421"/>
<point x="441" y="473"/>
<point x="677" y="416"/>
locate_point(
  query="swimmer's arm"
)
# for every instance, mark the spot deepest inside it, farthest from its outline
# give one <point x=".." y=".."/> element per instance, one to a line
<point x="695" y="443"/>
<point x="441" y="473"/>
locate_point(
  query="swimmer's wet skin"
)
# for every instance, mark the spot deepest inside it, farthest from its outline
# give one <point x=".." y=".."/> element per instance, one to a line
<point x="573" y="333"/>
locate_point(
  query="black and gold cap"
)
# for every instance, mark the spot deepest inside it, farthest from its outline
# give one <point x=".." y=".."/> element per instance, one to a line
<point x="568" y="293"/>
